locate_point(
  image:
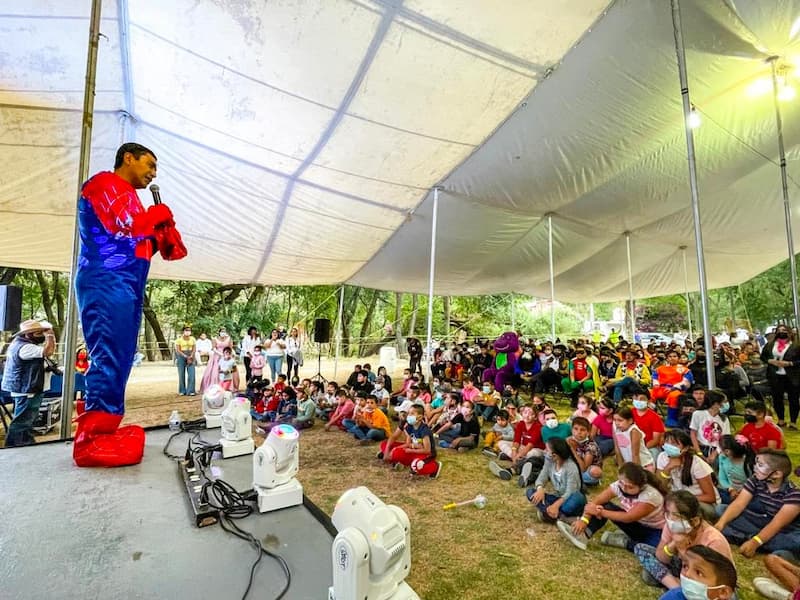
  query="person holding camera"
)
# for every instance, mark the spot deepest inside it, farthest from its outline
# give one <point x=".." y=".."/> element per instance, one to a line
<point x="24" y="377"/>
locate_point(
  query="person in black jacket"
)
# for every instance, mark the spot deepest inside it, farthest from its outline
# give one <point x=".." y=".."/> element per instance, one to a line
<point x="782" y="356"/>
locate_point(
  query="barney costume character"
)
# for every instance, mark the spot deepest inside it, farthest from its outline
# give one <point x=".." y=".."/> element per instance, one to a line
<point x="118" y="238"/>
<point x="505" y="361"/>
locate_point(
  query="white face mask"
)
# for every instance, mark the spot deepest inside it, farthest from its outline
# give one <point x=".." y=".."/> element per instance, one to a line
<point x="411" y="419"/>
<point x="694" y="590"/>
<point x="551" y="423"/>
<point x="582" y="406"/>
<point x="486" y="389"/>
<point x="378" y="386"/>
<point x="681" y="526"/>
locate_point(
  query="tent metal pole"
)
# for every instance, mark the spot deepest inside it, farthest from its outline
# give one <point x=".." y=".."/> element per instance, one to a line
<point x="552" y="278"/>
<point x="71" y="325"/>
<point x="591" y="316"/>
<point x="513" y="316"/>
<point x="432" y="274"/>
<point x="686" y="291"/>
<point x="631" y="307"/>
<point x="339" y="330"/>
<point x="787" y="207"/>
<point x="698" y="231"/>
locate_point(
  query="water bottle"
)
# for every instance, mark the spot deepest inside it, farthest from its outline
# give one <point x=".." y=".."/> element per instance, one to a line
<point x="175" y="421"/>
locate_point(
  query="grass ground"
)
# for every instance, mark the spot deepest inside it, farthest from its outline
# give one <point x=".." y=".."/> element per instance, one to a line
<point x="499" y="552"/>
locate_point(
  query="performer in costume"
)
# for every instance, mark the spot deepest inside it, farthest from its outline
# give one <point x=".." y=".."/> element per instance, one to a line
<point x="669" y="382"/>
<point x="118" y="238"/>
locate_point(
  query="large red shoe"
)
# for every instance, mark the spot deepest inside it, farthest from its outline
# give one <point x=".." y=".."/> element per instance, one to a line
<point x="101" y="442"/>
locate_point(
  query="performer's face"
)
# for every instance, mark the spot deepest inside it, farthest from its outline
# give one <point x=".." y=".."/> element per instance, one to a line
<point x="142" y="170"/>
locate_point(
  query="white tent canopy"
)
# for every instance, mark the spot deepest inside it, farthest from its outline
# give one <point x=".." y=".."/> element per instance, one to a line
<point x="298" y="141"/>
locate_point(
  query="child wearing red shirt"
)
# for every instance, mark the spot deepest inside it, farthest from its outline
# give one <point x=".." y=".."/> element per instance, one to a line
<point x="758" y="431"/>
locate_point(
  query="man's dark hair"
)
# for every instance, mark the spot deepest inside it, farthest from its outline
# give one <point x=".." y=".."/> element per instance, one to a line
<point x="136" y="149"/>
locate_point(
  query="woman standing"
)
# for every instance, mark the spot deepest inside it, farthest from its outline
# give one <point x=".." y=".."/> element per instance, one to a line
<point x="249" y="341"/>
<point x="782" y="356"/>
<point x="211" y="374"/>
<point x="294" y="355"/>
<point x="274" y="349"/>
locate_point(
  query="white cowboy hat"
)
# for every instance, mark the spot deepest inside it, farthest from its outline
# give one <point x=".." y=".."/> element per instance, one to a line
<point x="32" y="325"/>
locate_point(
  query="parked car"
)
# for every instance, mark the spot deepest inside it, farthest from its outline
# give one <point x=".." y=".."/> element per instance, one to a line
<point x="651" y="337"/>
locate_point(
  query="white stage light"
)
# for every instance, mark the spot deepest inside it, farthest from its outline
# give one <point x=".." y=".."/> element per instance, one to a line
<point x="372" y="552"/>
<point x="275" y="463"/>
<point x="215" y="401"/>
<point x="237" y="429"/>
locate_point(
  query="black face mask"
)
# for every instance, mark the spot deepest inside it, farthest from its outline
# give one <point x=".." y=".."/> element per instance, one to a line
<point x="782" y="335"/>
<point x="37" y="339"/>
<point x="627" y="495"/>
<point x="750" y="418"/>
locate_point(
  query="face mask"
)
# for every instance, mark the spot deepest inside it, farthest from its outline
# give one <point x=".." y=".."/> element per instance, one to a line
<point x="37" y="339"/>
<point x="551" y="423"/>
<point x="378" y="386"/>
<point x="582" y="406"/>
<point x="411" y="419"/>
<point x="671" y="450"/>
<point x="750" y="418"/>
<point x="581" y="440"/>
<point x="725" y="407"/>
<point x="782" y="335"/>
<point x="368" y="409"/>
<point x="486" y="389"/>
<point x="548" y="455"/>
<point x="679" y="526"/>
<point x="694" y="590"/>
<point x="604" y="411"/>
<point x="763" y="470"/>
<point x="640" y="404"/>
<point x="465" y="411"/>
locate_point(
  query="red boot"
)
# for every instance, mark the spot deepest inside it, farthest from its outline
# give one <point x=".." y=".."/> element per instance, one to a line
<point x="100" y="442"/>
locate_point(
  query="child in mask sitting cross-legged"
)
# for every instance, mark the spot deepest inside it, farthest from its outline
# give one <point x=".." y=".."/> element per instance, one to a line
<point x="415" y="449"/>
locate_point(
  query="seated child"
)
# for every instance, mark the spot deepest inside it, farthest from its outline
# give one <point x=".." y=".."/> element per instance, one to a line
<point x="306" y="410"/>
<point x="371" y="424"/>
<point x="705" y="574"/>
<point x="449" y="410"/>
<point x="343" y="410"/>
<point x="358" y="408"/>
<point x="257" y="364"/>
<point x="552" y="428"/>
<point x="603" y="427"/>
<point x="735" y="466"/>
<point x="227" y="364"/>
<point x="462" y="432"/>
<point x="286" y="410"/>
<point x="759" y="429"/>
<point x="415" y="448"/>
<point x="561" y="470"/>
<point x="585" y="408"/>
<point x="280" y="383"/>
<point x="586" y="451"/>
<point x="526" y="445"/>
<point x="501" y="430"/>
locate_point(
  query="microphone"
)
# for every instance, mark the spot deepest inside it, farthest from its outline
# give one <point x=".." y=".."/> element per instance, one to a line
<point x="156" y="191"/>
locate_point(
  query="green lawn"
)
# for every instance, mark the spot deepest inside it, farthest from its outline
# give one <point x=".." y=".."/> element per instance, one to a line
<point x="492" y="554"/>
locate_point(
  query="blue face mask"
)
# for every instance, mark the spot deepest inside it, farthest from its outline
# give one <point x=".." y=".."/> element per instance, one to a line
<point x="671" y="450"/>
<point x="725" y="407"/>
<point x="694" y="590"/>
<point x="411" y="420"/>
<point x="640" y="404"/>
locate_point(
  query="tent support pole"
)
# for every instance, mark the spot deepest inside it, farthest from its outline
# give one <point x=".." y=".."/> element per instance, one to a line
<point x="787" y="207"/>
<point x="552" y="278"/>
<point x="432" y="273"/>
<point x="698" y="231"/>
<point x="338" y="331"/>
<point x="513" y="316"/>
<point x="71" y="325"/>
<point x="686" y="292"/>
<point x="631" y="307"/>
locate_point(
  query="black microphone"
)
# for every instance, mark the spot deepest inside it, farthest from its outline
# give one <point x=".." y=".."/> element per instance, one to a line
<point x="156" y="191"/>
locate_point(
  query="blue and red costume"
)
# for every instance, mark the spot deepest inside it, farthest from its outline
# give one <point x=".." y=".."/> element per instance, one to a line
<point x="117" y="240"/>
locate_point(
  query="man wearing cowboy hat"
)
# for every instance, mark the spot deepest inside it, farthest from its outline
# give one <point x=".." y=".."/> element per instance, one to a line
<point x="24" y="375"/>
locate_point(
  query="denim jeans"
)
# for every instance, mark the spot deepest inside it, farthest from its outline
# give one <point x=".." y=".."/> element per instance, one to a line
<point x="752" y="520"/>
<point x="636" y="532"/>
<point x="623" y="385"/>
<point x="486" y="411"/>
<point x="185" y="368"/>
<point x="606" y="444"/>
<point x="367" y="433"/>
<point x="572" y="506"/>
<point x="26" y="409"/>
<point x="275" y="363"/>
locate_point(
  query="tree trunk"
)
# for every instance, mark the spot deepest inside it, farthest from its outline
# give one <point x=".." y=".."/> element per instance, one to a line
<point x="347" y="315"/>
<point x="398" y="323"/>
<point x="412" y="325"/>
<point x="447" y="316"/>
<point x="149" y="349"/>
<point x="7" y="275"/>
<point x="366" y="323"/>
<point x="152" y="320"/>
<point x="289" y="310"/>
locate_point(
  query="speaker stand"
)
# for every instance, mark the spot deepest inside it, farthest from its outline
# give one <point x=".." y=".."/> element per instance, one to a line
<point x="318" y="376"/>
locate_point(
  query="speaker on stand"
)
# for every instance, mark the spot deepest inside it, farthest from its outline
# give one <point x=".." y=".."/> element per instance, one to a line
<point x="322" y="335"/>
<point x="10" y="307"/>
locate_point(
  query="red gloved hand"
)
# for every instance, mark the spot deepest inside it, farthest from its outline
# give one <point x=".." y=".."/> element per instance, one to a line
<point x="159" y="214"/>
<point x="169" y="242"/>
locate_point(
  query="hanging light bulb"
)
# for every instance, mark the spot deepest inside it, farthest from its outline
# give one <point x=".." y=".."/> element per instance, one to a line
<point x="786" y="93"/>
<point x="694" y="120"/>
<point x="760" y="87"/>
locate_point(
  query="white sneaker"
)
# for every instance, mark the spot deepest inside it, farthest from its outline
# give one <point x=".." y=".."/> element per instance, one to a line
<point x="499" y="471"/>
<point x="771" y="589"/>
<point x="525" y="474"/>
<point x="617" y="539"/>
<point x="581" y="541"/>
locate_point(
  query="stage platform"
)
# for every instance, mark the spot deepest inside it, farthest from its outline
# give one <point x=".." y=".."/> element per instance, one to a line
<point x="129" y="533"/>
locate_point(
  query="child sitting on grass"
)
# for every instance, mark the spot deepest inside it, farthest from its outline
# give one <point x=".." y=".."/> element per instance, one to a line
<point x="501" y="430"/>
<point x="371" y="424"/>
<point x="306" y="410"/>
<point x="563" y="472"/>
<point x="603" y="426"/>
<point x="552" y="428"/>
<point x="463" y="430"/>
<point x="344" y="410"/>
<point x="705" y="574"/>
<point x="586" y="451"/>
<point x="526" y="445"/>
<point x="735" y="466"/>
<point x="415" y="448"/>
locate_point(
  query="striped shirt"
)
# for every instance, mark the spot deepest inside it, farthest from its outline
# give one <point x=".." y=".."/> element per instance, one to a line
<point x="772" y="502"/>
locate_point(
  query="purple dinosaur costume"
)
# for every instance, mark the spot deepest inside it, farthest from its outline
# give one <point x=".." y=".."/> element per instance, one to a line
<point x="505" y="361"/>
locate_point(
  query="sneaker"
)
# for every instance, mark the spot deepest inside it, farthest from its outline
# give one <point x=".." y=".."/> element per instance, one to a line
<point x="525" y="475"/>
<point x="489" y="452"/>
<point x="616" y="539"/>
<point x="503" y="456"/>
<point x="438" y="470"/>
<point x="649" y="579"/>
<point x="580" y="541"/>
<point x="463" y="449"/>
<point x="364" y="442"/>
<point x="192" y="394"/>
<point x="379" y="456"/>
<point x="398" y="466"/>
<point x="771" y="589"/>
<point x="499" y="471"/>
<point x="537" y="515"/>
<point x="792" y="426"/>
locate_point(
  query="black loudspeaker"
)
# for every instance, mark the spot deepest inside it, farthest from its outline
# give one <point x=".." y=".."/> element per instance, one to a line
<point x="322" y="331"/>
<point x="10" y="307"/>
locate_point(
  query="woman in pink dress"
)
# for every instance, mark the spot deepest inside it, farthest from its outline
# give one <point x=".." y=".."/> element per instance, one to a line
<point x="211" y="374"/>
